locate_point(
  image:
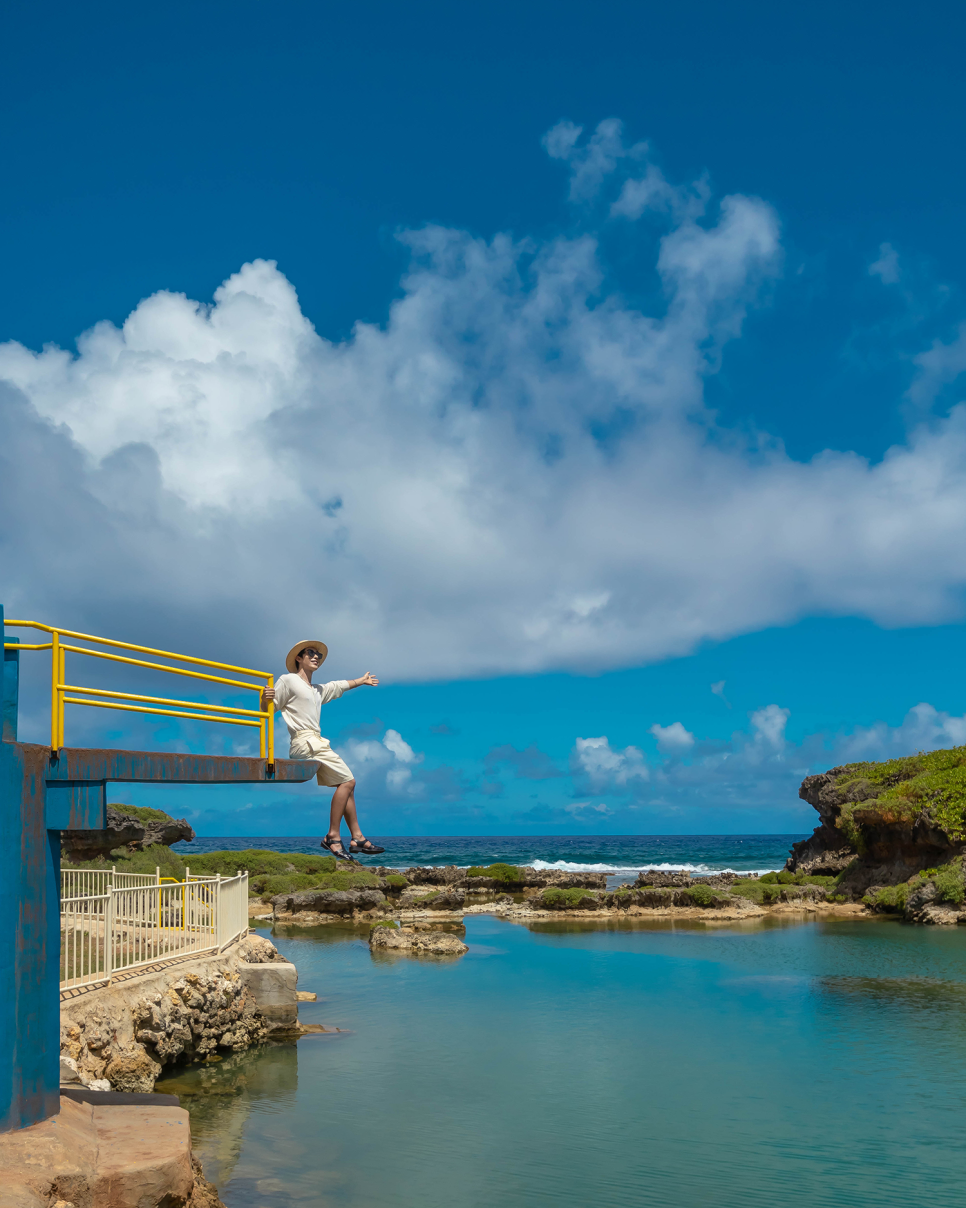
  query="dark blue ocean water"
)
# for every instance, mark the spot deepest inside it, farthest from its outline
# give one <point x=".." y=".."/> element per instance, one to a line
<point x="574" y="853"/>
<point x="624" y="1065"/>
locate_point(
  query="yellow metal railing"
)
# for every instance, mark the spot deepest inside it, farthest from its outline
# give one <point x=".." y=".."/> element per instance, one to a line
<point x="135" y="702"/>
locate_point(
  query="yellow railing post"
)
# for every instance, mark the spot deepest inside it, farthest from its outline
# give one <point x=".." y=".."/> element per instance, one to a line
<point x="270" y="726"/>
<point x="60" y="699"/>
<point x="55" y="679"/>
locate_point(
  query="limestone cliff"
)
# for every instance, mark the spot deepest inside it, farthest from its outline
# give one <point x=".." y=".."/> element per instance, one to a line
<point x="128" y="826"/>
<point x="883" y="823"/>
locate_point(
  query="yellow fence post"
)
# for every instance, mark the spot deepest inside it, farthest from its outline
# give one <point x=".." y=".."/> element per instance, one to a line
<point x="54" y="692"/>
<point x="270" y="726"/>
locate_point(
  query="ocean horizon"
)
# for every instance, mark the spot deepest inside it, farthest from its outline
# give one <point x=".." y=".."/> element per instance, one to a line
<point x="611" y="854"/>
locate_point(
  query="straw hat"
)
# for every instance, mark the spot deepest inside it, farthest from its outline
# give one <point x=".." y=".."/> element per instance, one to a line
<point x="300" y="646"/>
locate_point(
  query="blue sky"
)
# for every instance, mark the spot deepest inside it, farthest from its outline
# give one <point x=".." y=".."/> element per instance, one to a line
<point x="590" y="372"/>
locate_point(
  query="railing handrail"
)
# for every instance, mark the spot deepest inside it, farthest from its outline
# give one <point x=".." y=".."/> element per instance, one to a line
<point x="262" y="719"/>
<point x="127" y="927"/>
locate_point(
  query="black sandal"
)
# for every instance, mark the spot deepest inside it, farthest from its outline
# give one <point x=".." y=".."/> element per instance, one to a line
<point x="327" y="843"/>
<point x="363" y="847"/>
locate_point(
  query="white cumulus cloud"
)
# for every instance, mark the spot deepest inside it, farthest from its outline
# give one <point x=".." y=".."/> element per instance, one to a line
<point x="673" y="738"/>
<point x="516" y="472"/>
<point x="595" y="760"/>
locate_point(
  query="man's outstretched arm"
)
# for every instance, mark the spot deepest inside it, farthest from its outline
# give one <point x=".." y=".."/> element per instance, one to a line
<point x="368" y="679"/>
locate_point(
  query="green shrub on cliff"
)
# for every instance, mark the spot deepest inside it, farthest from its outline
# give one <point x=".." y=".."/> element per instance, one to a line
<point x="891" y="899"/>
<point x="903" y="788"/>
<point x="759" y="891"/>
<point x="257" y="862"/>
<point x="143" y="813"/>
<point x="949" y="883"/>
<point x="291" y="882"/>
<point x="496" y="872"/>
<point x="793" y="878"/>
<point x="566" y="899"/>
<point x="702" y="895"/>
<point x="395" y="881"/>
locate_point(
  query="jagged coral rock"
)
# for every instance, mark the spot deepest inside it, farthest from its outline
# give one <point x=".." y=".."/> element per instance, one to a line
<point x="329" y="901"/>
<point x="419" y="943"/>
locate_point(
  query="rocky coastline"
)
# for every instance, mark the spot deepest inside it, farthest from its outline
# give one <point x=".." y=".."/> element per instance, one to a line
<point x="421" y="896"/>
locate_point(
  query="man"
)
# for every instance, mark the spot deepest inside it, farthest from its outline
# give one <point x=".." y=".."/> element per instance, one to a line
<point x="300" y="703"/>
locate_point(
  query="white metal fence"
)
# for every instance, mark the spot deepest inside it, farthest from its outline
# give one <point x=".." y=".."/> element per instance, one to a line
<point x="110" y="923"/>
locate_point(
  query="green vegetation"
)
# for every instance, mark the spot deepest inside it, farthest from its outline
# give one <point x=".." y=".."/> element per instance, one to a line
<point x="156" y="856"/>
<point x="269" y="872"/>
<point x="143" y="813"/>
<point x="567" y="899"/>
<point x="793" y="878"/>
<point x="350" y="878"/>
<point x="385" y="923"/>
<point x="758" y="891"/>
<point x="891" y="899"/>
<point x="702" y="895"/>
<point x="395" y="881"/>
<point x="933" y="781"/>
<point x="948" y="879"/>
<point x="498" y="872"/>
<point x="949" y="883"/>
<point x="258" y="863"/>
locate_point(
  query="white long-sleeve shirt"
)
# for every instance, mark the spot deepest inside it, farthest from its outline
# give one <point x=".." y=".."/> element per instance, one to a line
<point x="300" y="704"/>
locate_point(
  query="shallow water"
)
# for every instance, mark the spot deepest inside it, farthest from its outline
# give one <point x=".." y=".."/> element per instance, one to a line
<point x="812" y="1063"/>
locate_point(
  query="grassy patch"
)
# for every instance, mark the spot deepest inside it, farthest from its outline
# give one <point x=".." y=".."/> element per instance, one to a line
<point x="292" y="882"/>
<point x="793" y="878"/>
<point x="759" y="891"/>
<point x="566" y="899"/>
<point x="257" y="862"/>
<point x="386" y="923"/>
<point x="143" y="813"/>
<point x="395" y="881"/>
<point x="497" y="872"/>
<point x="934" y="781"/>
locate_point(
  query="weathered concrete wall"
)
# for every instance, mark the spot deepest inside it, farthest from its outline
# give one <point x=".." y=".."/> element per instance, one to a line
<point x="94" y="1156"/>
<point x="274" y="987"/>
<point x="125" y="1033"/>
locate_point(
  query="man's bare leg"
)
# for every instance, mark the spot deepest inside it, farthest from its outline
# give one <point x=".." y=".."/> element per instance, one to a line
<point x="344" y="805"/>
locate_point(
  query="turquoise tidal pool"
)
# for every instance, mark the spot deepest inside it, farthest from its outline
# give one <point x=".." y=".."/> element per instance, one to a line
<point x="800" y="1063"/>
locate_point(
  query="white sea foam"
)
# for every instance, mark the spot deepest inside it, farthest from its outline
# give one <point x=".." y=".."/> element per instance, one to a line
<point x="615" y="869"/>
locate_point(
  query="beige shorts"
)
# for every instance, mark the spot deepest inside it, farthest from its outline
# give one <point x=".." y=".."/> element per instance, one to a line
<point x="333" y="769"/>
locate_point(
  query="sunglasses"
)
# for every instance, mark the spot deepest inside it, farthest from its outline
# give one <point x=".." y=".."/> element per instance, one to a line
<point x="312" y="653"/>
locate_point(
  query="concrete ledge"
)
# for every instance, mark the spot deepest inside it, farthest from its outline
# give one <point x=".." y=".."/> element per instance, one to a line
<point x="100" y="1156"/>
<point x="82" y="1094"/>
<point x="274" y="989"/>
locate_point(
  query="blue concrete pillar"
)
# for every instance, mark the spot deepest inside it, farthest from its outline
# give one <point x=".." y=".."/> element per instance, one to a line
<point x="29" y="926"/>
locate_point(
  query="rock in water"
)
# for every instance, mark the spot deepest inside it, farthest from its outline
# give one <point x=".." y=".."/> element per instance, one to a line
<point x="416" y="943"/>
